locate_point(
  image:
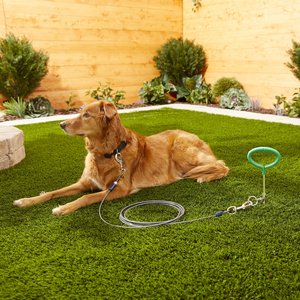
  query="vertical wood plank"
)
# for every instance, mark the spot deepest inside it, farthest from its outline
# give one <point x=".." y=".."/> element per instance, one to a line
<point x="2" y="19"/>
<point x="247" y="40"/>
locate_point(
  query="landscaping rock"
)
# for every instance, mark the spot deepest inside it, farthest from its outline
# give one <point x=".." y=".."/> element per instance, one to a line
<point x="12" y="149"/>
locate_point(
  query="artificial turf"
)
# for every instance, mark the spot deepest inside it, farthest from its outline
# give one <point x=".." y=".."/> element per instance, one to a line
<point x="251" y="255"/>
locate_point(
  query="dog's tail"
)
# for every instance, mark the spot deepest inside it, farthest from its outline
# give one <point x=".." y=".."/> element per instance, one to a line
<point x="207" y="172"/>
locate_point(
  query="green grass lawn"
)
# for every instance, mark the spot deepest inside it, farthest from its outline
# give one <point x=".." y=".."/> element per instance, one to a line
<point x="251" y="255"/>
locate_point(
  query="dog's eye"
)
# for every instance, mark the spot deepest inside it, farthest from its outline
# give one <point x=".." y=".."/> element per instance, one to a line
<point x="86" y="115"/>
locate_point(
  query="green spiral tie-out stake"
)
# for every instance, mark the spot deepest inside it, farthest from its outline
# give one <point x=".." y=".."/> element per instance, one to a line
<point x="263" y="168"/>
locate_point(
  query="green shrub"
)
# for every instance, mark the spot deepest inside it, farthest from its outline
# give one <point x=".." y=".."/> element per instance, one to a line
<point x="181" y="64"/>
<point x="153" y="92"/>
<point x="224" y="84"/>
<point x="291" y="109"/>
<point x="294" y="65"/>
<point x="235" y="99"/>
<point x="280" y="100"/>
<point x="195" y="90"/>
<point x="180" y="58"/>
<point x="38" y="107"/>
<point x="189" y="84"/>
<point x="105" y="92"/>
<point x="21" y="67"/>
<point x="160" y="89"/>
<point x="15" y="107"/>
<point x="203" y="95"/>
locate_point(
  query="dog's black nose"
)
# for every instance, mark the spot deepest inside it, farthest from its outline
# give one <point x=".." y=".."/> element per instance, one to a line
<point x="63" y="125"/>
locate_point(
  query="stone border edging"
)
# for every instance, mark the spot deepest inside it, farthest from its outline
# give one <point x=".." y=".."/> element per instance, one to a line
<point x="12" y="149"/>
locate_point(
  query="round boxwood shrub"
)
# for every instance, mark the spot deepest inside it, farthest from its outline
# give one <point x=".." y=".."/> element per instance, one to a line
<point x="180" y="58"/>
<point x="224" y="84"/>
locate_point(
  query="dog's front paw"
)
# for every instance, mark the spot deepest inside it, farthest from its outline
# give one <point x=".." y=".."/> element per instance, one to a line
<point x="57" y="211"/>
<point x="21" y="202"/>
<point x="62" y="210"/>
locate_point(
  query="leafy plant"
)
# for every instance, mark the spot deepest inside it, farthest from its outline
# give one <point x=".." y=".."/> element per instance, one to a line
<point x="70" y="102"/>
<point x="235" y="99"/>
<point x="21" y="67"/>
<point x="105" y="92"/>
<point x="15" y="107"/>
<point x="38" y="107"/>
<point x="291" y="109"/>
<point x="188" y="85"/>
<point x="280" y="100"/>
<point x="203" y="95"/>
<point x="180" y="58"/>
<point x="224" y="84"/>
<point x="294" y="65"/>
<point x="195" y="90"/>
<point x="153" y="92"/>
<point x="181" y="64"/>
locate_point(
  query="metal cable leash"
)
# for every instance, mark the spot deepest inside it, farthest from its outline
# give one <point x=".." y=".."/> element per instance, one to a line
<point x="128" y="223"/>
<point x="120" y="161"/>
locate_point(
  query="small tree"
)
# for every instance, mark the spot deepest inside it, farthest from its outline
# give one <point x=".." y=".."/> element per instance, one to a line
<point x="294" y="65"/>
<point x="21" y="67"/>
<point x="180" y="58"/>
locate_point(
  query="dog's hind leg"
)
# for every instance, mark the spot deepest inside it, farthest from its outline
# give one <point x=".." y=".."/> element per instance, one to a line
<point x="70" y="190"/>
<point x="210" y="171"/>
<point x="194" y="159"/>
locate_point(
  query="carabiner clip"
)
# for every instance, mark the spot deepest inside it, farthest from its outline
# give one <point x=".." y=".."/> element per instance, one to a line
<point x="119" y="158"/>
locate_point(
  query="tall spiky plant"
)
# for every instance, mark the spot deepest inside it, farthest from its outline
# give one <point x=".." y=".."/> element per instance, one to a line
<point x="21" y="67"/>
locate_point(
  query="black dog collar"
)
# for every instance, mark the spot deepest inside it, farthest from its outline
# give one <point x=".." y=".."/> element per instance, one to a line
<point x="117" y="150"/>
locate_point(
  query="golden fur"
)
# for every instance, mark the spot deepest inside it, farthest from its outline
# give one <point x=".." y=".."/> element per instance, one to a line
<point x="149" y="160"/>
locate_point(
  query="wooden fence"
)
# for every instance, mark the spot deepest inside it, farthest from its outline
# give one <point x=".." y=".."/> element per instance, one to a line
<point x="247" y="40"/>
<point x="91" y="40"/>
<point x="114" y="41"/>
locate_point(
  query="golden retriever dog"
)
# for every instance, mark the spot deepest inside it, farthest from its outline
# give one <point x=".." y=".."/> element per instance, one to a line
<point x="149" y="160"/>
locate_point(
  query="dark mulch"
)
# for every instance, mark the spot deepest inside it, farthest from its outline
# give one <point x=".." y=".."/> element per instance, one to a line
<point x="8" y="118"/>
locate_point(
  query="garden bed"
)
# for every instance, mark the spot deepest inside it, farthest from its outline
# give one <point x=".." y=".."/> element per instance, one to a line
<point x="4" y="118"/>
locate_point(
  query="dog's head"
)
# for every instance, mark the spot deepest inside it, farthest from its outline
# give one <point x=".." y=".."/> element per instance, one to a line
<point x="92" y="120"/>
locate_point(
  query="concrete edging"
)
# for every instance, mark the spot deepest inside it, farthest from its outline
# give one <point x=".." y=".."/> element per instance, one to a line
<point x="199" y="108"/>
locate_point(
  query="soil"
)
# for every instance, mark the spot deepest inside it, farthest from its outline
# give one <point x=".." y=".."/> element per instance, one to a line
<point x="4" y="118"/>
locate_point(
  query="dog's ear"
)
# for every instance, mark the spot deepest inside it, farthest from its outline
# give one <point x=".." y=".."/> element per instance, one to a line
<point x="108" y="108"/>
